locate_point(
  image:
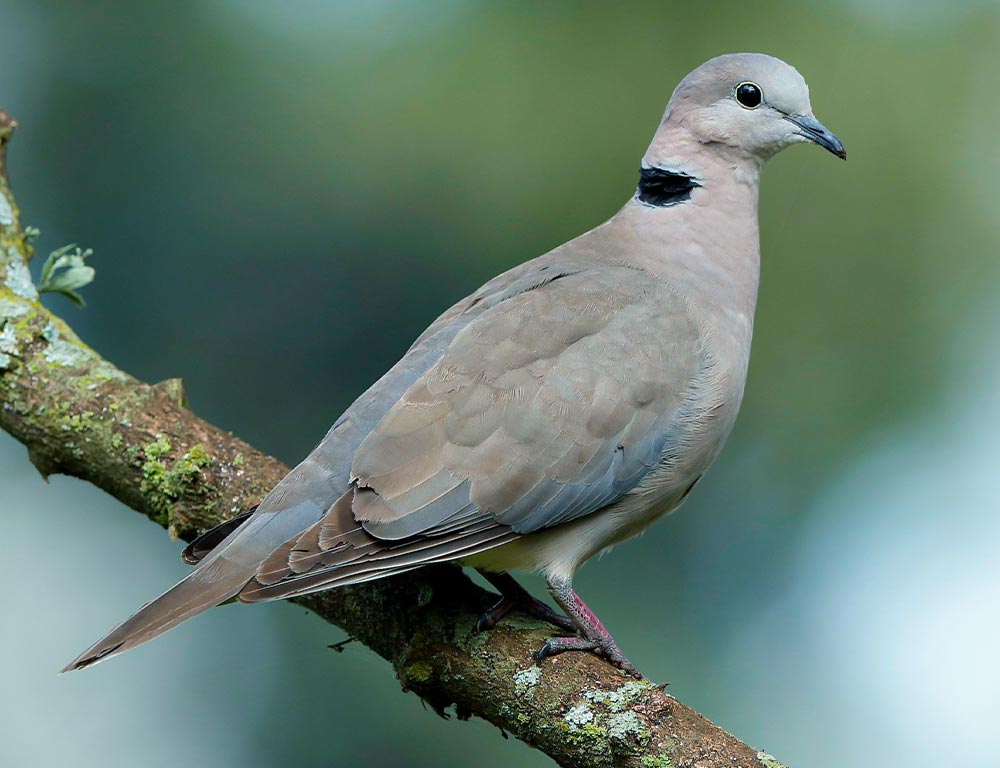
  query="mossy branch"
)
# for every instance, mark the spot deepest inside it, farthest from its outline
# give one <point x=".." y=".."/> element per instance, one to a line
<point x="79" y="415"/>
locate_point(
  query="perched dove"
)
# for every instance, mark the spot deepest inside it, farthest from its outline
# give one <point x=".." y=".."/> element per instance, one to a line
<point x="558" y="410"/>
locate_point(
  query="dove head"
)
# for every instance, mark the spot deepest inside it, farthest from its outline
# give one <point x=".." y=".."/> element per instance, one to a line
<point x="748" y="105"/>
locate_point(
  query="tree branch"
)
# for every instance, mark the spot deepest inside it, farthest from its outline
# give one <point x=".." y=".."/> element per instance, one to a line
<point x="79" y="415"/>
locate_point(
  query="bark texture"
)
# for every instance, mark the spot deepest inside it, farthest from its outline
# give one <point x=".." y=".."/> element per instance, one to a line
<point x="79" y="415"/>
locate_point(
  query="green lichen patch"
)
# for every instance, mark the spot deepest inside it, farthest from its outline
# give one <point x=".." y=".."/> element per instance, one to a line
<point x="421" y="672"/>
<point x="7" y="216"/>
<point x="526" y="679"/>
<point x="100" y="373"/>
<point x="50" y="332"/>
<point x="66" y="354"/>
<point x="621" y="698"/>
<point x="77" y="422"/>
<point x="189" y="466"/>
<point x="588" y="737"/>
<point x="158" y="449"/>
<point x="8" y="346"/>
<point x="63" y="349"/>
<point x="12" y="309"/>
<point x="578" y="716"/>
<point x="601" y="720"/>
<point x="768" y="761"/>
<point x="154" y="478"/>
<point x="465" y="636"/>
<point x="19" y="279"/>
<point x="660" y="760"/>
<point x="163" y="484"/>
<point x="625" y="729"/>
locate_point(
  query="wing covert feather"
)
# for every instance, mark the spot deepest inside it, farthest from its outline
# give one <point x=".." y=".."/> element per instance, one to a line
<point x="546" y="407"/>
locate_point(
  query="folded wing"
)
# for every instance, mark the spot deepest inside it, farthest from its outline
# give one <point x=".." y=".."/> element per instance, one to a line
<point x="551" y="404"/>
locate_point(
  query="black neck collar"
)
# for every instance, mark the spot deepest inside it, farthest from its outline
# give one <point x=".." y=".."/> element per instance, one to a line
<point x="660" y="187"/>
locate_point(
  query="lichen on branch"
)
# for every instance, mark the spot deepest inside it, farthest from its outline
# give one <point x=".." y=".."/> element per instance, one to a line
<point x="78" y="414"/>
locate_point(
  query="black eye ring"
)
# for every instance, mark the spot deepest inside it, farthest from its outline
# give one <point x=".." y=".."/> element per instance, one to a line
<point x="748" y="95"/>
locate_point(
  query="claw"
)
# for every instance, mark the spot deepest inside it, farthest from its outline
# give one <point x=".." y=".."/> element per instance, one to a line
<point x="609" y="651"/>
<point x="588" y="634"/>
<point x="556" y="645"/>
<point x="593" y="636"/>
<point x="513" y="597"/>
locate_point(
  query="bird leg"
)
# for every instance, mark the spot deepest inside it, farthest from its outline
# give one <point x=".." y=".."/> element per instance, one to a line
<point x="514" y="597"/>
<point x="593" y="636"/>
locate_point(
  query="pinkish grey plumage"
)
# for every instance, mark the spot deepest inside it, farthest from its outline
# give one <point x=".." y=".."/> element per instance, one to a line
<point x="559" y="409"/>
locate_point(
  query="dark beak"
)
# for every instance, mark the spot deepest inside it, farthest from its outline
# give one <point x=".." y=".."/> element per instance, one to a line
<point x="814" y="130"/>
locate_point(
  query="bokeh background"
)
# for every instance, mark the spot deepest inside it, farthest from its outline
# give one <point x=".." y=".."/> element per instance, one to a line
<point x="280" y="197"/>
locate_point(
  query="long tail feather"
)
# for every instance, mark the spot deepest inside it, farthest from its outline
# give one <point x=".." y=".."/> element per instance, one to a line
<point x="220" y="576"/>
<point x="213" y="583"/>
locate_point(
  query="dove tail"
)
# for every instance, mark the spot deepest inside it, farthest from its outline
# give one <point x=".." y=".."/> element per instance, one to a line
<point x="223" y="572"/>
<point x="211" y="584"/>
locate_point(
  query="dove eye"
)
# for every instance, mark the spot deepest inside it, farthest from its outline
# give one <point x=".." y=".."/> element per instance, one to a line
<point x="749" y="95"/>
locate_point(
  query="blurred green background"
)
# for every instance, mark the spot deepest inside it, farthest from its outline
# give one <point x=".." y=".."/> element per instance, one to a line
<point x="281" y="196"/>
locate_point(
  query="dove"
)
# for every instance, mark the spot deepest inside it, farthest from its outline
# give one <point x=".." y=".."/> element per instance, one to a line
<point x="559" y="410"/>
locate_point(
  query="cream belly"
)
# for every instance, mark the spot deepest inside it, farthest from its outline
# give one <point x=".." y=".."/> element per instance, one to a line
<point x="559" y="551"/>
